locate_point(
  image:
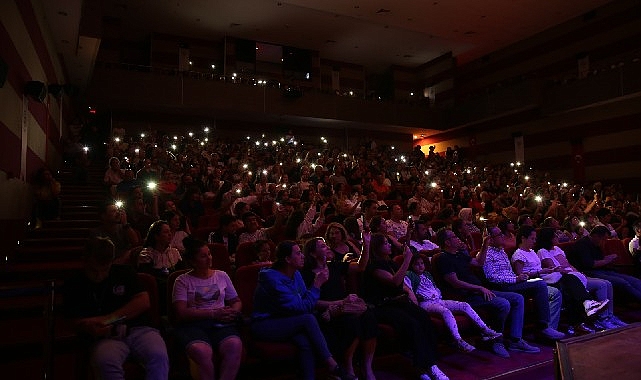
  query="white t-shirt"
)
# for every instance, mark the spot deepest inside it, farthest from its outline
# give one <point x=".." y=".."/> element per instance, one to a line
<point x="532" y="263"/>
<point x="204" y="294"/>
<point x="556" y="251"/>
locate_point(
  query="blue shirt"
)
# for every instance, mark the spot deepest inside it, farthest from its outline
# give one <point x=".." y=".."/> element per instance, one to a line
<point x="280" y="296"/>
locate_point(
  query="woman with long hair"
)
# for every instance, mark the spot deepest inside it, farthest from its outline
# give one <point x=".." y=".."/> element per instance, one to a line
<point x="177" y="232"/>
<point x="338" y="241"/>
<point x="207" y="308"/>
<point x="344" y="332"/>
<point x="157" y="251"/>
<point x="283" y="309"/>
<point x="395" y="304"/>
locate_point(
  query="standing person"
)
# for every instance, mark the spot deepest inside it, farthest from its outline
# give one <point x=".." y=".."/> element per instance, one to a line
<point x="499" y="272"/>
<point x="576" y="297"/>
<point x="207" y="308"/>
<point x="283" y="309"/>
<point x="430" y="299"/>
<point x="344" y="332"/>
<point x="115" y="227"/>
<point x="384" y="288"/>
<point x="106" y="304"/>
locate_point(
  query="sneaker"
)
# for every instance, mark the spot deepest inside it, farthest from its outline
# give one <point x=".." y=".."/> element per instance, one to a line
<point x="437" y="374"/>
<point x="591" y="307"/>
<point x="523" y="346"/>
<point x="490" y="334"/>
<point x="463" y="346"/>
<point x="581" y="328"/>
<point x="615" y="320"/>
<point x="552" y="334"/>
<point x="498" y="348"/>
<point x="604" y="324"/>
<point x="338" y="373"/>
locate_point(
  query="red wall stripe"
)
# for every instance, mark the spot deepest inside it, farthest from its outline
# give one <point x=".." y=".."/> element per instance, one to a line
<point x="33" y="28"/>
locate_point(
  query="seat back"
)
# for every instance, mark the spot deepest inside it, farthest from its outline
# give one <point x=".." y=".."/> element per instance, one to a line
<point x="220" y="257"/>
<point x="245" y="282"/>
<point x="150" y="285"/>
<point x="171" y="280"/>
<point x="616" y="246"/>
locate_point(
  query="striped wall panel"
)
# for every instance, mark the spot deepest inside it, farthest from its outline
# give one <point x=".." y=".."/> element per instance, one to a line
<point x="27" y="48"/>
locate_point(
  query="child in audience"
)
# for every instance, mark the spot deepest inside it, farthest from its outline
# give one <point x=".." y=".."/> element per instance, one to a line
<point x="428" y="297"/>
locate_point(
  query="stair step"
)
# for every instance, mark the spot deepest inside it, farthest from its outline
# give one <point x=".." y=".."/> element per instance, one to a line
<point x="49" y="242"/>
<point x="29" y="271"/>
<point x="59" y="232"/>
<point x="71" y="223"/>
<point x="45" y="255"/>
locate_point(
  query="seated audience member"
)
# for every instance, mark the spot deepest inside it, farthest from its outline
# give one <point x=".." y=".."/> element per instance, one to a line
<point x="509" y="233"/>
<point x="354" y="235"/>
<point x="384" y="288"/>
<point x="207" y="309"/>
<point x="115" y="227"/>
<point x="46" y="190"/>
<point x="337" y="240"/>
<point x="226" y="233"/>
<point x="461" y="230"/>
<point x="113" y="175"/>
<point x="137" y="213"/>
<point x="579" y="303"/>
<point x="553" y="257"/>
<point x="589" y="258"/>
<point x="420" y="239"/>
<point x="302" y="223"/>
<point x="191" y="205"/>
<point x="562" y="236"/>
<point x="284" y="306"/>
<point x="263" y="251"/>
<point x="428" y="296"/>
<point x="344" y="332"/>
<point x="369" y="208"/>
<point x="395" y="224"/>
<point x="467" y="216"/>
<point x="455" y="265"/>
<point x="634" y="246"/>
<point x="158" y="255"/>
<point x="413" y="210"/>
<point x="576" y="227"/>
<point x="177" y="234"/>
<point x="499" y="272"/>
<point x="254" y="232"/>
<point x="106" y="304"/>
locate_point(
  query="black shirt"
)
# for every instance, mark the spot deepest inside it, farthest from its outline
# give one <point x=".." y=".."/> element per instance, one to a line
<point x="83" y="298"/>
<point x="459" y="264"/>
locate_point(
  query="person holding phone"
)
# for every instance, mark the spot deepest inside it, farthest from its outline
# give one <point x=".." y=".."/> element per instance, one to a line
<point x="106" y="305"/>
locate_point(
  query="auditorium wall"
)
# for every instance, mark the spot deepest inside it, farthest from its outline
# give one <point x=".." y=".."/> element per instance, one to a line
<point x="28" y="51"/>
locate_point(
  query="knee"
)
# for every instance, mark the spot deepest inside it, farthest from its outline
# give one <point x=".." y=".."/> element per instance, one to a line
<point x="200" y="353"/>
<point x="232" y="346"/>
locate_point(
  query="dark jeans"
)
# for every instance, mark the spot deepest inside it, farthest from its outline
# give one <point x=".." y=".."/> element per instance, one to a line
<point x="628" y="284"/>
<point x="302" y="330"/>
<point x="414" y="327"/>
<point x="574" y="294"/>
<point x="538" y="290"/>
<point x="506" y="306"/>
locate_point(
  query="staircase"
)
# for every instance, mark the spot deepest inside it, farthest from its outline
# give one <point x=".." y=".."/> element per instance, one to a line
<point x="36" y="341"/>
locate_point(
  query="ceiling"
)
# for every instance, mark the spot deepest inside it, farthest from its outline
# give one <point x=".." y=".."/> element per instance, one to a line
<point x="372" y="33"/>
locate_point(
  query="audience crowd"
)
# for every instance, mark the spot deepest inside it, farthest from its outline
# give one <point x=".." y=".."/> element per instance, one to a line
<point x="417" y="229"/>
